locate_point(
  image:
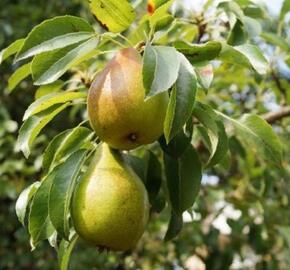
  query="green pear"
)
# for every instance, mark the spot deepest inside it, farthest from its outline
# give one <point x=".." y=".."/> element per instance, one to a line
<point x="116" y="107"/>
<point x="110" y="205"/>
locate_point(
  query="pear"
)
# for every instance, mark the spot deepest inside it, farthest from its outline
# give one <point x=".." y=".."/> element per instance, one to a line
<point x="116" y="107"/>
<point x="110" y="205"/>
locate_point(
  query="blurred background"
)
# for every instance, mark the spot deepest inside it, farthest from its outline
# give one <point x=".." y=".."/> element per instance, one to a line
<point x="241" y="219"/>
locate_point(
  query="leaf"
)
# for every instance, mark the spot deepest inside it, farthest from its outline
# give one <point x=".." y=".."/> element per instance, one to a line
<point x="203" y="133"/>
<point x="52" y="34"/>
<point x="61" y="191"/>
<point x="137" y="164"/>
<point x="152" y="5"/>
<point x="254" y="11"/>
<point x="48" y="88"/>
<point x="204" y="73"/>
<point x="19" y="75"/>
<point x="183" y="179"/>
<point x="50" y="151"/>
<point x="276" y="40"/>
<point x="33" y="125"/>
<point x="115" y="16"/>
<point x="64" y="252"/>
<point x="160" y="68"/>
<point x="39" y="225"/>
<point x="231" y="7"/>
<point x="53" y="240"/>
<point x="149" y="66"/>
<point x="175" y="226"/>
<point x="163" y="22"/>
<point x="237" y="35"/>
<point x="246" y="55"/>
<point x="252" y="27"/>
<point x="285" y="233"/>
<point x="23" y="201"/>
<point x="153" y="176"/>
<point x="139" y="33"/>
<point x="179" y="143"/>
<point x="181" y="99"/>
<point x="64" y="144"/>
<point x="216" y="132"/>
<point x="11" y="49"/>
<point x="259" y="134"/>
<point x="56" y="43"/>
<point x="285" y="9"/>
<point x="46" y="68"/>
<point x="199" y="52"/>
<point x="49" y="100"/>
<point x="160" y="15"/>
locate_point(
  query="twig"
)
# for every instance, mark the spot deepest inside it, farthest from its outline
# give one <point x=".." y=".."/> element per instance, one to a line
<point x="272" y="117"/>
<point x="279" y="85"/>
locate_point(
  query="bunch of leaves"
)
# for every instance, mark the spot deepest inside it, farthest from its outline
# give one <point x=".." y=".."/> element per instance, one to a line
<point x="178" y="64"/>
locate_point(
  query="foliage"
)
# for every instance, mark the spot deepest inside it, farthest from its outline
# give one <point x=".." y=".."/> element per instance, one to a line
<point x="210" y="123"/>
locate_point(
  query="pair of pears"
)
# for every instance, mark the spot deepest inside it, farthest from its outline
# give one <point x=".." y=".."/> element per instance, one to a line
<point x="110" y="206"/>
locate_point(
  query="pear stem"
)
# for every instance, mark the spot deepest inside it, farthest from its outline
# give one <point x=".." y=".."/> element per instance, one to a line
<point x="116" y="42"/>
<point x="126" y="39"/>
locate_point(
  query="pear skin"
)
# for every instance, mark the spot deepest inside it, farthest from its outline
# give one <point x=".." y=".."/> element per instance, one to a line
<point x="110" y="207"/>
<point x="116" y="107"/>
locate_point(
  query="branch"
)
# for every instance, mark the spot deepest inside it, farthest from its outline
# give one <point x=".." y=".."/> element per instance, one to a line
<point x="279" y="85"/>
<point x="271" y="117"/>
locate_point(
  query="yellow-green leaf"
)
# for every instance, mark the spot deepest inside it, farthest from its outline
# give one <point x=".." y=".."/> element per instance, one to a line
<point x="115" y="16"/>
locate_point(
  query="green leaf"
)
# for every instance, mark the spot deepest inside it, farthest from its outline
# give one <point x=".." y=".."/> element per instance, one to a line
<point x="257" y="12"/>
<point x="252" y="27"/>
<point x="47" y="68"/>
<point x="23" y="201"/>
<point x="115" y="16"/>
<point x="203" y="133"/>
<point x="64" y="144"/>
<point x="52" y="240"/>
<point x="231" y="7"/>
<point x="52" y="34"/>
<point x="39" y="224"/>
<point x="285" y="9"/>
<point x="285" y="232"/>
<point x="153" y="176"/>
<point x="260" y="135"/>
<point x="237" y="35"/>
<point x="160" y="68"/>
<point x="64" y="252"/>
<point x="204" y="73"/>
<point x="287" y="60"/>
<point x="183" y="179"/>
<point x="175" y="226"/>
<point x="33" y="125"/>
<point x="160" y="14"/>
<point x="48" y="88"/>
<point x="276" y="40"/>
<point x="56" y="43"/>
<point x="199" y="52"/>
<point x="19" y="75"/>
<point x="11" y="49"/>
<point x="152" y="5"/>
<point x="61" y="191"/>
<point x="49" y="100"/>
<point x="246" y="55"/>
<point x="181" y="99"/>
<point x="163" y="22"/>
<point x="137" y="164"/>
<point x="179" y="143"/>
<point x="216" y="132"/>
<point x="139" y="33"/>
